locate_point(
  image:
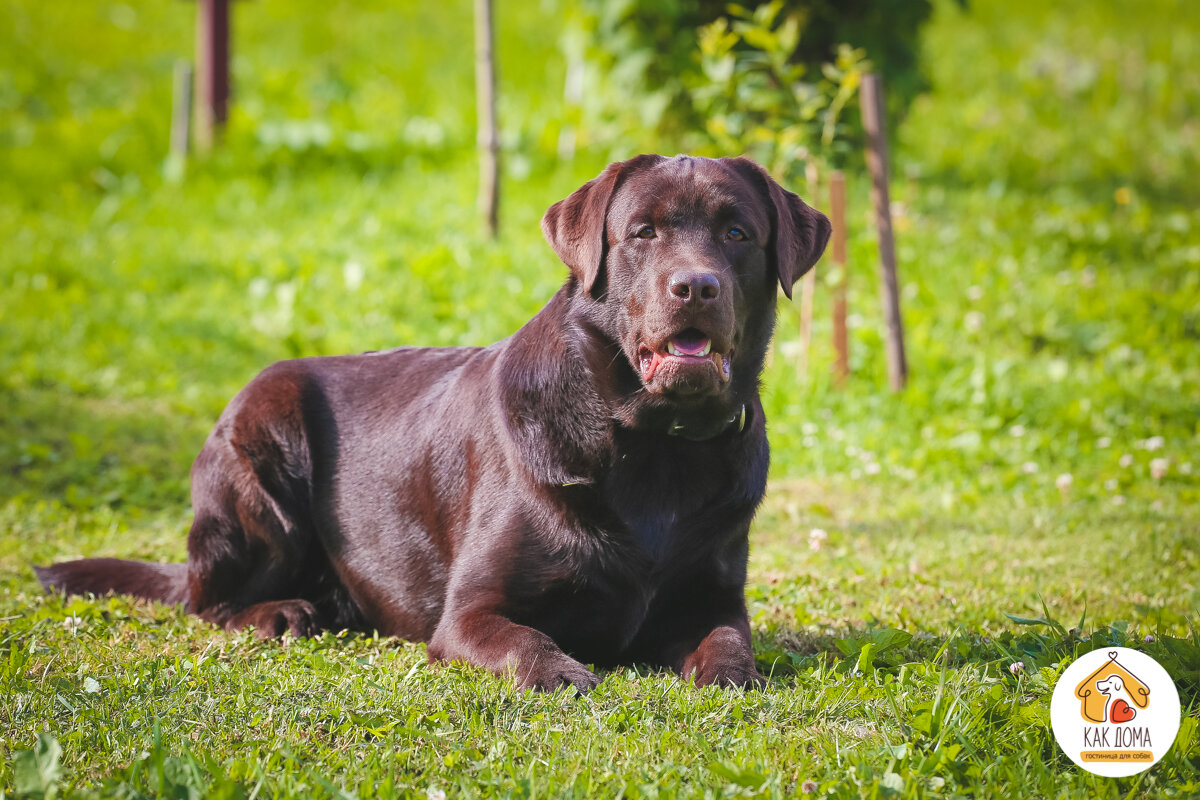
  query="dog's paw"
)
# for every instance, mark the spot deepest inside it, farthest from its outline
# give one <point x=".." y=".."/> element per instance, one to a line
<point x="274" y="619"/>
<point x="724" y="658"/>
<point x="742" y="675"/>
<point x="561" y="672"/>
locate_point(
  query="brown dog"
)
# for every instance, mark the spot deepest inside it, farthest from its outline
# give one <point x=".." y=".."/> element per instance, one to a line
<point x="580" y="492"/>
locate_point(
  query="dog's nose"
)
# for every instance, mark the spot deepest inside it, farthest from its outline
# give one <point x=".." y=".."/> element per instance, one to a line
<point x="694" y="287"/>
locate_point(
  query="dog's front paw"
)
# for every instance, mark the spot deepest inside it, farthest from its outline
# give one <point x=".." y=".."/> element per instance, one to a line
<point x="557" y="672"/>
<point x="724" y="658"/>
<point x="728" y="675"/>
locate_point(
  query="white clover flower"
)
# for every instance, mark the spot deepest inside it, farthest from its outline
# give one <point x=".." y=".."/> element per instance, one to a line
<point x="973" y="321"/>
<point x="434" y="793"/>
<point x="1118" y="500"/>
<point x="808" y="787"/>
<point x="1158" y="468"/>
<point x="1125" y="460"/>
<point x="1029" y="467"/>
<point x="791" y="349"/>
<point x="817" y="539"/>
<point x="1149" y="638"/>
<point x="352" y="274"/>
<point x="1103" y="442"/>
<point x="1112" y="484"/>
<point x="1017" y="431"/>
<point x="1016" y="667"/>
<point x="1185" y="468"/>
<point x="1154" y="443"/>
<point x="72" y="623"/>
<point x="975" y="292"/>
<point x="872" y="468"/>
<point x="1063" y="482"/>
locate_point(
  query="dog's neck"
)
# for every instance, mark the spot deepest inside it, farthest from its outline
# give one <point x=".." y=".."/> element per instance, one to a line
<point x="703" y="432"/>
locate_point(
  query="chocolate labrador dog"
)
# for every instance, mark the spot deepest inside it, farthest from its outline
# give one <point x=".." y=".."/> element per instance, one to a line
<point x="579" y="493"/>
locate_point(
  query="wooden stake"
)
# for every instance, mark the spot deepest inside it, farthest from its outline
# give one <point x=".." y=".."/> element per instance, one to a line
<point x="874" y="122"/>
<point x="488" y="140"/>
<point x="837" y="214"/>
<point x="175" y="167"/>
<point x="212" y="71"/>
<point x="808" y="283"/>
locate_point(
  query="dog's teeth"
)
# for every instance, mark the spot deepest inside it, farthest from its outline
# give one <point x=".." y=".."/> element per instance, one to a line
<point x="707" y="349"/>
<point x="672" y="349"/>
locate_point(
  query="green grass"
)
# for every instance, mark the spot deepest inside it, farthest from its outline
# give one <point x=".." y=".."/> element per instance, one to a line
<point x="1050" y="254"/>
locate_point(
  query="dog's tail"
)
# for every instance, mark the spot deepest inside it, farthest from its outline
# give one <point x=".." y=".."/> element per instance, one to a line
<point x="164" y="582"/>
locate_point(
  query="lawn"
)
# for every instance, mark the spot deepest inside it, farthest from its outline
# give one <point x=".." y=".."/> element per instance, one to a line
<point x="1033" y="495"/>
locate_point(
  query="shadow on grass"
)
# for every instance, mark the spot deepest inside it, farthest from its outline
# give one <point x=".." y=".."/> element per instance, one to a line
<point x="1033" y="644"/>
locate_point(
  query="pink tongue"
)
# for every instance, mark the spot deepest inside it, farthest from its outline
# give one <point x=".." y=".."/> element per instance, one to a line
<point x="690" y="345"/>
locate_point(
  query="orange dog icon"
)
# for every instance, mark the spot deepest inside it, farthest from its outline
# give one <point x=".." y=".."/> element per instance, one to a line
<point x="1111" y="693"/>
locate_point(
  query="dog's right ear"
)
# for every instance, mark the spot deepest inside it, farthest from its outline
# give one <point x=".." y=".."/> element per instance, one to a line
<point x="575" y="227"/>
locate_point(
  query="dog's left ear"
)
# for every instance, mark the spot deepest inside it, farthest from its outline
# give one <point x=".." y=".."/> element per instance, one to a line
<point x="800" y="232"/>
<point x="575" y="227"/>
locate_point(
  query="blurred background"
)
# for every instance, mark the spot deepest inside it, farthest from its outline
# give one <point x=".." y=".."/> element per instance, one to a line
<point x="1044" y="161"/>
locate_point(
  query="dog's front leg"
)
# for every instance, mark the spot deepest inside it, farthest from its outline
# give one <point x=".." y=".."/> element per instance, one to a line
<point x="481" y="636"/>
<point x="702" y="631"/>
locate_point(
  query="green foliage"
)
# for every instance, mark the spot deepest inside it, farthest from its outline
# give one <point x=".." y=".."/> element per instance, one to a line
<point x="643" y="57"/>
<point x="36" y="772"/>
<point x="756" y="101"/>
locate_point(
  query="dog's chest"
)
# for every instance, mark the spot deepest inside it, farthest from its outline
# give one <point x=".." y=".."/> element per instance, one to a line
<point x="665" y="505"/>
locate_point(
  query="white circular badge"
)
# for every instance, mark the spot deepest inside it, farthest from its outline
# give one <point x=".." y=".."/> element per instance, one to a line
<point x="1115" y="712"/>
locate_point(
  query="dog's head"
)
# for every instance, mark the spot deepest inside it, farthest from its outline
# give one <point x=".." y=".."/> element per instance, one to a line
<point x="678" y="261"/>
<point x="1114" y="685"/>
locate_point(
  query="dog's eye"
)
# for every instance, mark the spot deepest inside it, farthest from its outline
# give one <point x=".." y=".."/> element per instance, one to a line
<point x="646" y="232"/>
<point x="736" y="234"/>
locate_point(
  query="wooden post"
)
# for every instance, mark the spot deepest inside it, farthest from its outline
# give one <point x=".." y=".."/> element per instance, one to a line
<point x="873" y="117"/>
<point x="212" y="71"/>
<point x="808" y="284"/>
<point x="488" y="140"/>
<point x="837" y="214"/>
<point x="573" y="86"/>
<point x="181" y="121"/>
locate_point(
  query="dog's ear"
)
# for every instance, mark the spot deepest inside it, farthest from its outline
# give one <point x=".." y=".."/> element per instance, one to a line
<point x="575" y="227"/>
<point x="799" y="233"/>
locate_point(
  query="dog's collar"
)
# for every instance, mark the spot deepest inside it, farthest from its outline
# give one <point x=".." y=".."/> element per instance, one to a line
<point x="737" y="423"/>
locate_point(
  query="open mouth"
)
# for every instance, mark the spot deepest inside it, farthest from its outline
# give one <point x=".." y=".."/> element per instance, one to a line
<point x="686" y="350"/>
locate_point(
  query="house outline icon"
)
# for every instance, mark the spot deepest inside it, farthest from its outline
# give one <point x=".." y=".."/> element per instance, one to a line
<point x="1093" y="703"/>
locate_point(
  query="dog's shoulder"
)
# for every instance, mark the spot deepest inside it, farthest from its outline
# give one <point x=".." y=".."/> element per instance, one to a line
<point x="552" y="408"/>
